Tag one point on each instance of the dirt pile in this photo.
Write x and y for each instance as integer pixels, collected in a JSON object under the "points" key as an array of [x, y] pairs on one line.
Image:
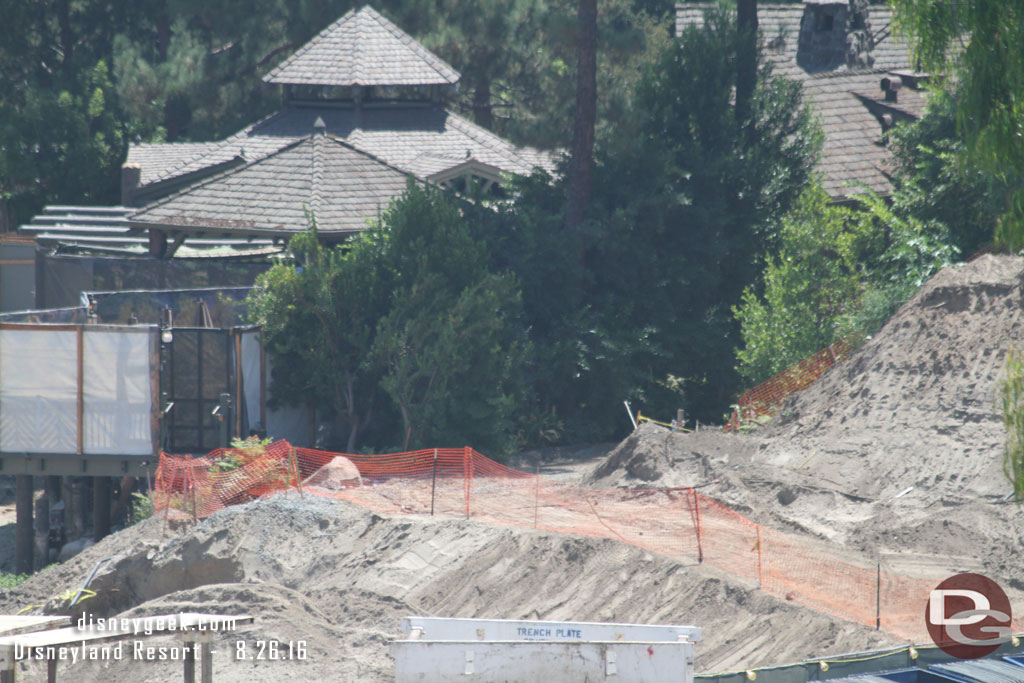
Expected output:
{"points": [[916, 405], [895, 453], [340, 578]]}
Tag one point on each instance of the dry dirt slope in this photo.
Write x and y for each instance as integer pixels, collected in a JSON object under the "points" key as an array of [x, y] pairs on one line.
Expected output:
{"points": [[913, 407], [341, 577]]}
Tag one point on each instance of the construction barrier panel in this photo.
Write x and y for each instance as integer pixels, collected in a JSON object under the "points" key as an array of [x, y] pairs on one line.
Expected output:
{"points": [[680, 523]]}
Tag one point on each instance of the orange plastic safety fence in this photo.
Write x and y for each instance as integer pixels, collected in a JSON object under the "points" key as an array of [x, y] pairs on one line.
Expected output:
{"points": [[680, 523], [766, 397]]}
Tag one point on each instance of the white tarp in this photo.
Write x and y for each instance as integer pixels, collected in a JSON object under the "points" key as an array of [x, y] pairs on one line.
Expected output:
{"points": [[251, 379], [38, 391], [116, 392]]}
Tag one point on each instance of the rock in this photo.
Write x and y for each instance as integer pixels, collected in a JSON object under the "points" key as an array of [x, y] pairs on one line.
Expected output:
{"points": [[69, 550], [339, 473]]}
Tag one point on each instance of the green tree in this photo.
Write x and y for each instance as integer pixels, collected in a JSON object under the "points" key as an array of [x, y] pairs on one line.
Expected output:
{"points": [[838, 271], [451, 343], [62, 136], [979, 44], [1012, 403], [693, 200], [808, 284], [937, 183], [408, 311], [319, 320], [683, 209]]}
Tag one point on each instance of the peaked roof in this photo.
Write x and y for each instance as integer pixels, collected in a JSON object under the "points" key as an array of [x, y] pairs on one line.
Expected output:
{"points": [[363, 48], [854, 152], [419, 140], [779, 25], [342, 185]]}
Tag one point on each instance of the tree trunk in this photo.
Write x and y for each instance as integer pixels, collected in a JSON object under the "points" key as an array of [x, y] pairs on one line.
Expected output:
{"points": [[746, 58], [581, 166]]}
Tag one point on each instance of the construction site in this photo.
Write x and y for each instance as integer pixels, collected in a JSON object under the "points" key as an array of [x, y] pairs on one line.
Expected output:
{"points": [[817, 533]]}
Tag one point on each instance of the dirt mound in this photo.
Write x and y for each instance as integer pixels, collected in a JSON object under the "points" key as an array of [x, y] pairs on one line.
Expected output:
{"points": [[894, 454], [916, 405], [340, 578]]}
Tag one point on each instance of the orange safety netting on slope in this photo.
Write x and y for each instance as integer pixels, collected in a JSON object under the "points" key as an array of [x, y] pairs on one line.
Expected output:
{"points": [[766, 397], [680, 523]]}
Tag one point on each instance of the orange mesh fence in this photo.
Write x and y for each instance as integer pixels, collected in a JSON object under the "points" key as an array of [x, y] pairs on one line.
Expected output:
{"points": [[680, 523], [766, 397]]}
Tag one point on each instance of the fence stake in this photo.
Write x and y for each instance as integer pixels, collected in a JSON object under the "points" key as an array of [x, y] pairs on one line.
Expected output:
{"points": [[700, 545], [433, 484], [631, 418], [536, 493], [191, 484], [760, 571], [878, 596], [467, 475], [298, 478]]}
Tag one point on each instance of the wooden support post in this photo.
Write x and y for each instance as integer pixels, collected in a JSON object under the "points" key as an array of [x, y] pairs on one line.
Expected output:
{"points": [[80, 397], [206, 657], [433, 484], [80, 505], [23, 531], [42, 532], [100, 507], [51, 671], [190, 663]]}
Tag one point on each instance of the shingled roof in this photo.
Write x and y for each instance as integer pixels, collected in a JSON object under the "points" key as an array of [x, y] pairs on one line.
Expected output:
{"points": [[270, 196], [401, 136], [848, 99], [363, 48]]}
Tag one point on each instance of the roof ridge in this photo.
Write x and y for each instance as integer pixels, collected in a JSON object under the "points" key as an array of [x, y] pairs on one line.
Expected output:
{"points": [[215, 146], [309, 44], [411, 42], [366, 62], [474, 131], [215, 177]]}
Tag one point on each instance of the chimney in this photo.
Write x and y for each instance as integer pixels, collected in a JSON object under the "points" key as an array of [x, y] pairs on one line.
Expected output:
{"points": [[131, 177], [891, 86]]}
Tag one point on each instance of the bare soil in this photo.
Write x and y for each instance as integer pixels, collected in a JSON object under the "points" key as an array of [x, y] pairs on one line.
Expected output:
{"points": [[894, 454]]}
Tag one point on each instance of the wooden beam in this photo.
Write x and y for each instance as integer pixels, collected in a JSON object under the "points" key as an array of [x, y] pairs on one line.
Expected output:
{"points": [[100, 507], [23, 529], [263, 385], [238, 381], [81, 391], [179, 239]]}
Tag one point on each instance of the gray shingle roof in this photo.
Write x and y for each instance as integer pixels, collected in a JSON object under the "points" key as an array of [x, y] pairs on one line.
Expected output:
{"points": [[270, 195], [853, 152], [415, 139], [155, 157], [363, 48], [779, 25]]}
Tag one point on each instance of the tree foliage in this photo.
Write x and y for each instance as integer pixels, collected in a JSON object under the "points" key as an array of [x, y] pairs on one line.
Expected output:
{"points": [[808, 284], [62, 136], [1012, 404], [980, 44], [838, 271], [407, 311], [684, 202], [938, 183]]}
